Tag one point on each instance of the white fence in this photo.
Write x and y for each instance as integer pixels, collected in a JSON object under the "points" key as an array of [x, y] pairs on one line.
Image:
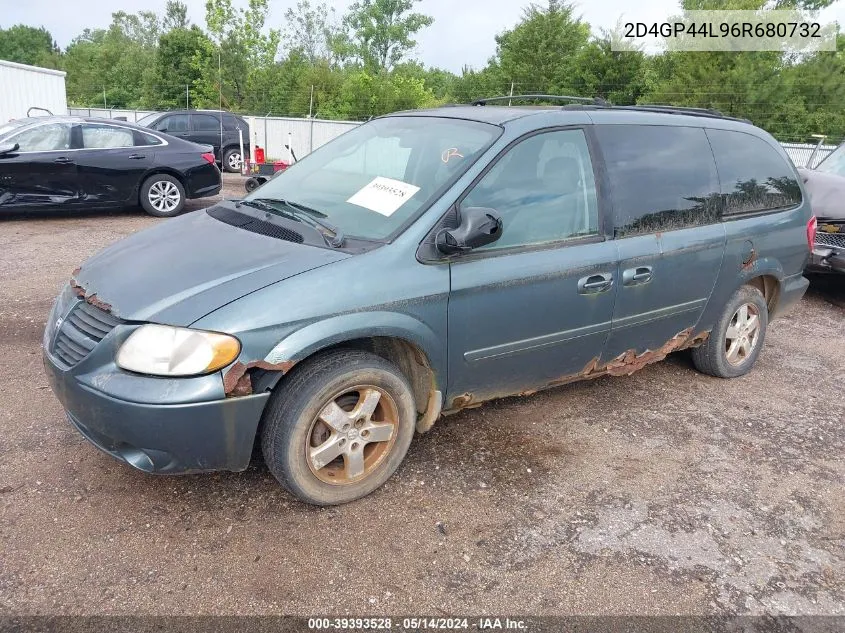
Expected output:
{"points": [[22, 86], [271, 133], [800, 153]]}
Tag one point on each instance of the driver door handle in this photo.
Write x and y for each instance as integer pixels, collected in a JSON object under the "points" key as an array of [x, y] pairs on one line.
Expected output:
{"points": [[137, 156], [63, 160]]}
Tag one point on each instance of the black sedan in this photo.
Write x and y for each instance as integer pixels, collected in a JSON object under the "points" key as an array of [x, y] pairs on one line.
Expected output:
{"points": [[81, 163]]}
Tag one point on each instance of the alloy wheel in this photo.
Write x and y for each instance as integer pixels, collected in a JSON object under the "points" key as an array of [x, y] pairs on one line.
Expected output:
{"points": [[164, 196], [352, 435], [743, 334]]}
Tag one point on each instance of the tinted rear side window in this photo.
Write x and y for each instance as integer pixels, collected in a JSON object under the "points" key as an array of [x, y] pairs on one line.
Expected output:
{"points": [[661, 178], [754, 176]]}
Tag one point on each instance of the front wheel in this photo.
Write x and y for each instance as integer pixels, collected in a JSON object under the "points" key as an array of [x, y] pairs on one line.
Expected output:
{"points": [[162, 195], [737, 338], [338, 426]]}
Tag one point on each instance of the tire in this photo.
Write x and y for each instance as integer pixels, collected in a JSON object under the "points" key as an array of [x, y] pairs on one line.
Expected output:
{"points": [[252, 184], [162, 195], [714, 357], [315, 426], [232, 160]]}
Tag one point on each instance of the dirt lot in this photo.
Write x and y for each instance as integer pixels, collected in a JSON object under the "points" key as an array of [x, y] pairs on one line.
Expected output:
{"points": [[665, 492]]}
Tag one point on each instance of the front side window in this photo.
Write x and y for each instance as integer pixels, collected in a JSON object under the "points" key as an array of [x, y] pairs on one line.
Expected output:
{"points": [[662, 178], [754, 176], [106, 137], [371, 180], [174, 123], [50, 137], [543, 188], [206, 123], [834, 162]]}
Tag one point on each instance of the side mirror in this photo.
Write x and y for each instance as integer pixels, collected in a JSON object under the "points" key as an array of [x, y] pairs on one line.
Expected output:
{"points": [[479, 226], [9, 148]]}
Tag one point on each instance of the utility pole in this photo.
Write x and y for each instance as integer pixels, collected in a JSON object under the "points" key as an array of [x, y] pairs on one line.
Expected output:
{"points": [[511, 94], [187, 98], [105, 107]]}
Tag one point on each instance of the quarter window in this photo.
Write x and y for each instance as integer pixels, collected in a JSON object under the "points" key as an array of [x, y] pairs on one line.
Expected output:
{"points": [[49, 137], [106, 137], [662, 178], [754, 176], [543, 188], [174, 123]]}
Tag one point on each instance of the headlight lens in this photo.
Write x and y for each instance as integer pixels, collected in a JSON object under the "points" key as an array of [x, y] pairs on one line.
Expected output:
{"points": [[162, 350]]}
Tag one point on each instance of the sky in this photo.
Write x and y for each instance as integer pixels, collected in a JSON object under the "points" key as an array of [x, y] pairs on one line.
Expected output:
{"points": [[462, 34]]}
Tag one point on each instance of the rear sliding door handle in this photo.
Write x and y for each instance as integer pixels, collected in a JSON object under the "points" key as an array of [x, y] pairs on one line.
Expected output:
{"points": [[637, 276], [595, 283], [137, 156], [63, 160]]}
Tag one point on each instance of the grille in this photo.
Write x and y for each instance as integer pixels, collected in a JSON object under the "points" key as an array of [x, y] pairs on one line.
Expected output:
{"points": [[80, 332], [249, 223], [835, 240]]}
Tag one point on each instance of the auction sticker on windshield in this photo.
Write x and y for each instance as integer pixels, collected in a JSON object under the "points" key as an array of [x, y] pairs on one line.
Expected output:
{"points": [[383, 195]]}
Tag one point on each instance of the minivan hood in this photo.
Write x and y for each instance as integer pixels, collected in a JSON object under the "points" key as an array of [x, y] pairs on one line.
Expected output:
{"points": [[183, 268], [827, 193]]}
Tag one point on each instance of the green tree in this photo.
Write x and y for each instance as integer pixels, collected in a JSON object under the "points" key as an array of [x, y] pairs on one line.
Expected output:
{"points": [[111, 67], [617, 76], [237, 52], [175, 16], [314, 30], [539, 54], [28, 45], [181, 55], [382, 31]]}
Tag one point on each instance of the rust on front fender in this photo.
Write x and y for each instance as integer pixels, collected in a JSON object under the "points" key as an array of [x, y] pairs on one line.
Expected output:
{"points": [[237, 381]]}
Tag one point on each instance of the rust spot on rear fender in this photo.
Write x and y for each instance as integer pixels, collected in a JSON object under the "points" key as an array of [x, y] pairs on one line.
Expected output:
{"points": [[237, 382]]}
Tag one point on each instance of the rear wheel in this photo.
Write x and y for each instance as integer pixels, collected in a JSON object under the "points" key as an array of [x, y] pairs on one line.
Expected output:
{"points": [[338, 426], [232, 160], [737, 338], [162, 195]]}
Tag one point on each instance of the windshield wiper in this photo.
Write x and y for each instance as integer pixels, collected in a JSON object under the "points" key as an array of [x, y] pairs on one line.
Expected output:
{"points": [[331, 234]]}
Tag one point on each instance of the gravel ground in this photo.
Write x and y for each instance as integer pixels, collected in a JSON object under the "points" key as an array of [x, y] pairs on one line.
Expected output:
{"points": [[660, 493]]}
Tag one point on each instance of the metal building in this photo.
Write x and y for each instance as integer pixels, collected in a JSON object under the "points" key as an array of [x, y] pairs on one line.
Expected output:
{"points": [[23, 87]]}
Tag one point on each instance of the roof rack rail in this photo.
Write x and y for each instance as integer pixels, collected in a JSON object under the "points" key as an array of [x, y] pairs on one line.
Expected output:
{"points": [[669, 109], [598, 101]]}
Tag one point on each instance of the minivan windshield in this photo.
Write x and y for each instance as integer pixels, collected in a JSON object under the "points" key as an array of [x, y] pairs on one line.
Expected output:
{"points": [[146, 120], [834, 162], [371, 180]]}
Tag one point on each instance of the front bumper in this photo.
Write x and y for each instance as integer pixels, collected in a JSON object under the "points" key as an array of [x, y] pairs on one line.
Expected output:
{"points": [[158, 425]]}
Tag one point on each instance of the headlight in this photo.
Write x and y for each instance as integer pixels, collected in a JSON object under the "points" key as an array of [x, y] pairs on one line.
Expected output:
{"points": [[162, 350]]}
